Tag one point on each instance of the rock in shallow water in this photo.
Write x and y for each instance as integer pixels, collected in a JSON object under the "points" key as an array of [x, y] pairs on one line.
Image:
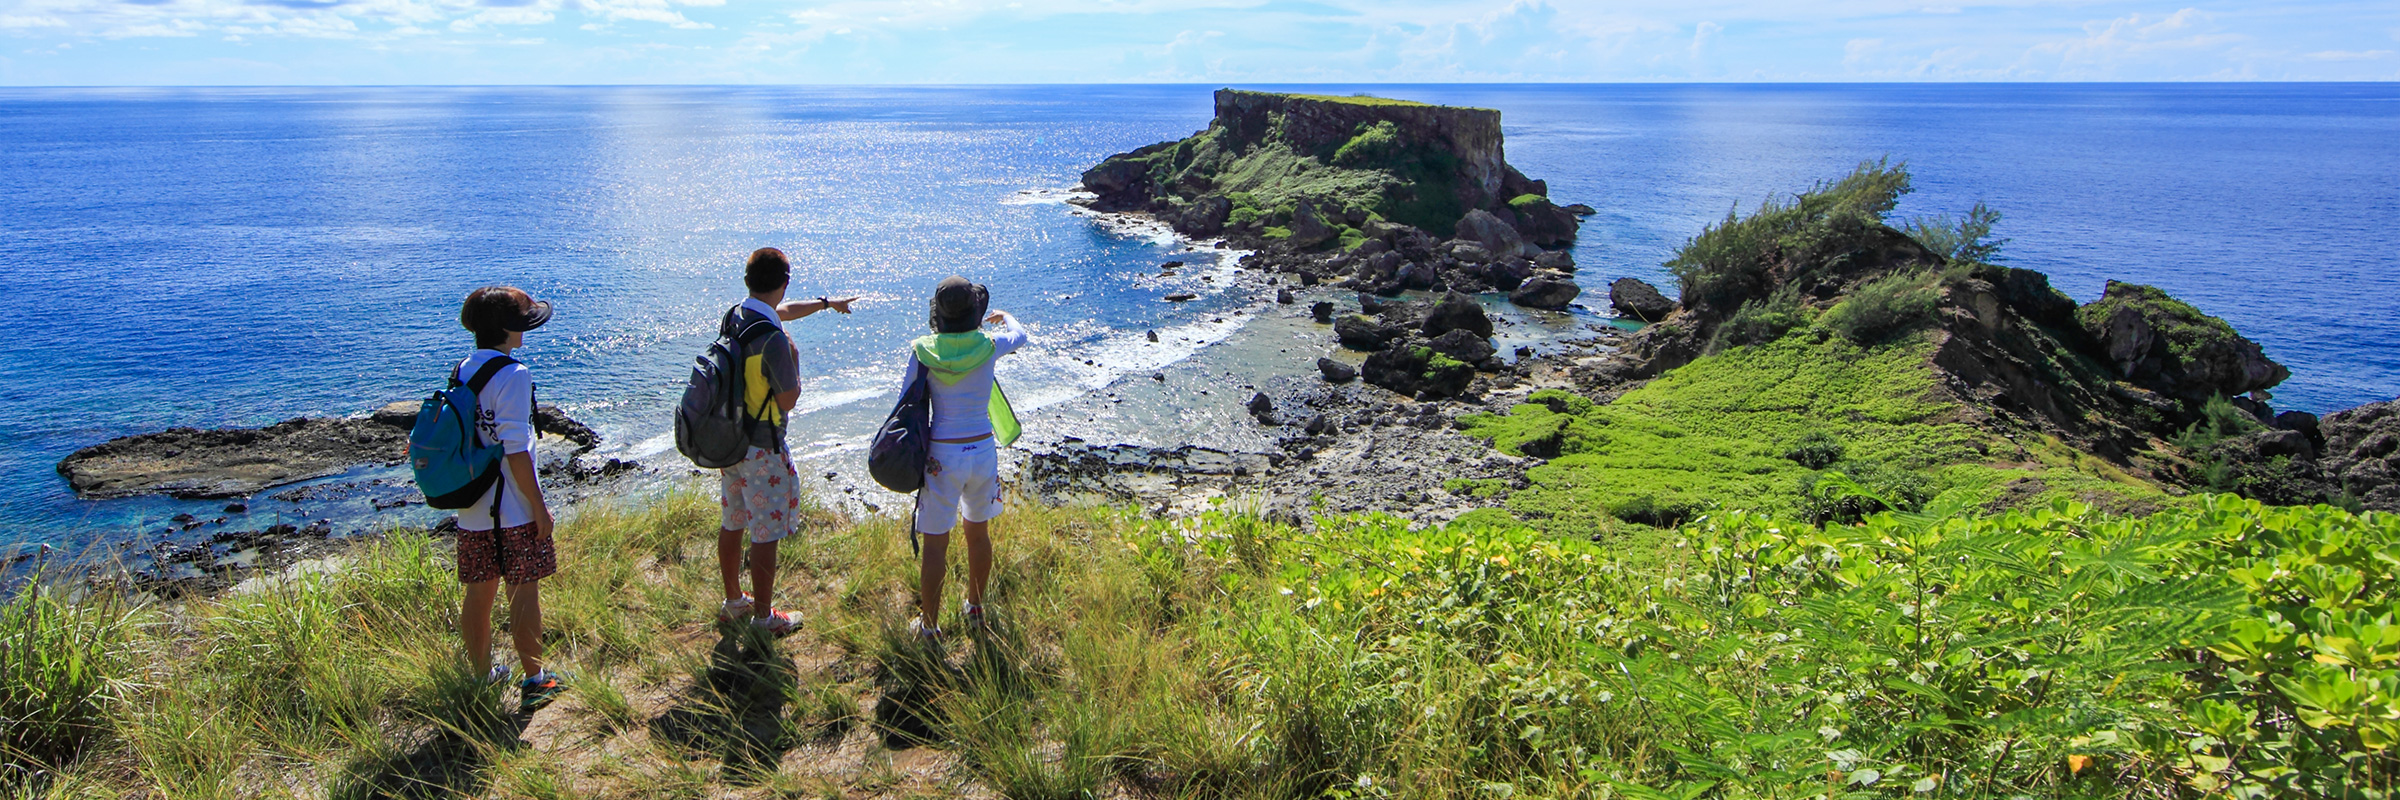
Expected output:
{"points": [[1636, 299], [1545, 293], [1457, 312], [1335, 371]]}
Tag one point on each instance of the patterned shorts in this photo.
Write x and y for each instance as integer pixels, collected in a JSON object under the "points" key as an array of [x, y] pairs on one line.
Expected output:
{"points": [[520, 554], [761, 495]]}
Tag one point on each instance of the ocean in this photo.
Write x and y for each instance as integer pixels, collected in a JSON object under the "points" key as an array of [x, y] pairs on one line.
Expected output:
{"points": [[221, 257]]}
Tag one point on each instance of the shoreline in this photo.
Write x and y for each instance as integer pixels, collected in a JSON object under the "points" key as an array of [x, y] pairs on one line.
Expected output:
{"points": [[1374, 450]]}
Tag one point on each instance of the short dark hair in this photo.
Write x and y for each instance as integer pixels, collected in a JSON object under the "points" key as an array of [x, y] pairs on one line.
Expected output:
{"points": [[767, 270], [487, 312]]}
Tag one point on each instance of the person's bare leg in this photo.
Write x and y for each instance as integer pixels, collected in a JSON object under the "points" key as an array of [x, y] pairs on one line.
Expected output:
{"points": [[475, 625], [979, 559], [931, 568], [762, 579], [525, 624], [729, 561]]}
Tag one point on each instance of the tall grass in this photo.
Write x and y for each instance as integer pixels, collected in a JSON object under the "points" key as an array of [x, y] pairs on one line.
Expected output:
{"points": [[61, 676], [2061, 653]]}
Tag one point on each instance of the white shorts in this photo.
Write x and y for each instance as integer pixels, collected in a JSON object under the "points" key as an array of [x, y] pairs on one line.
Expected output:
{"points": [[959, 478]]}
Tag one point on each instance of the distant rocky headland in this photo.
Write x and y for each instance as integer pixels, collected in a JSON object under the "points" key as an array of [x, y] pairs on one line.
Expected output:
{"points": [[1995, 388]]}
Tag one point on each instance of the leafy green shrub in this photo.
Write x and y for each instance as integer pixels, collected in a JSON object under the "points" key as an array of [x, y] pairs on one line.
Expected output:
{"points": [[1886, 306], [1967, 239], [1653, 510], [1276, 232], [1730, 262], [2219, 420], [1817, 450], [60, 671], [1349, 238], [1372, 144], [1853, 489], [1760, 321]]}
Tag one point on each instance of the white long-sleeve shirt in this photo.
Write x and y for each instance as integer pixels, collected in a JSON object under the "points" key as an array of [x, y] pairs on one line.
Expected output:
{"points": [[503, 415]]}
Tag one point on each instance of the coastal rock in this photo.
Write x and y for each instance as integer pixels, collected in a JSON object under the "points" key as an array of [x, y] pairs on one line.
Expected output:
{"points": [[192, 463], [1122, 174], [1386, 232], [1467, 252], [2302, 421], [1458, 312], [1284, 297], [1543, 223], [2169, 347], [1361, 332], [1309, 228], [1178, 297], [1507, 275], [1581, 210], [550, 419], [1497, 237], [1416, 370], [1545, 293], [1335, 371], [399, 414], [1464, 345], [1205, 216], [2362, 452], [1261, 408], [1636, 299], [1556, 261], [1321, 310]]}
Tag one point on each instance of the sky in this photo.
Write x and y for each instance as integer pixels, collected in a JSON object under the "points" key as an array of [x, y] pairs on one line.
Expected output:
{"points": [[434, 42]]}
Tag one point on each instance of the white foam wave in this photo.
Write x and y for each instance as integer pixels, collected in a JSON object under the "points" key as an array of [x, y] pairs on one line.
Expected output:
{"points": [[1041, 197]]}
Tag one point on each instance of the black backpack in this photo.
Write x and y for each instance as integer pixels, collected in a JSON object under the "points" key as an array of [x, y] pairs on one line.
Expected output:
{"points": [[713, 426], [896, 458]]}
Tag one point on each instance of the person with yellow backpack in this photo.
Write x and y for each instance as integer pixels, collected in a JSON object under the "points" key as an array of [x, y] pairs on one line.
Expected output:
{"points": [[970, 422]]}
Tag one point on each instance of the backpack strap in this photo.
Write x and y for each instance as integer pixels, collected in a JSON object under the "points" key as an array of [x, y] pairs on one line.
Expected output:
{"points": [[744, 335], [483, 374]]}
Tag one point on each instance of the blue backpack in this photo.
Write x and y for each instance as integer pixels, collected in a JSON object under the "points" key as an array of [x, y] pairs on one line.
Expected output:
{"points": [[453, 466]]}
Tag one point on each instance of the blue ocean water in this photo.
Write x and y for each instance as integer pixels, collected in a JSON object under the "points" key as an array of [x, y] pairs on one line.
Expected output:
{"points": [[239, 256]]}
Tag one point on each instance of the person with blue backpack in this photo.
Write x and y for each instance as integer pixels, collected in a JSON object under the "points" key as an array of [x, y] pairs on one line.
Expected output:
{"points": [[504, 531], [970, 420]]}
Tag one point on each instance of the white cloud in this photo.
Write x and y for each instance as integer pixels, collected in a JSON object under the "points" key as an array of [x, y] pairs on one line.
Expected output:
{"points": [[1702, 34], [14, 22], [2347, 55], [1856, 53]]}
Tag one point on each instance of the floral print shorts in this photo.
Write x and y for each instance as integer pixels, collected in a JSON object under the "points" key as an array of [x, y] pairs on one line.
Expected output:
{"points": [[761, 495]]}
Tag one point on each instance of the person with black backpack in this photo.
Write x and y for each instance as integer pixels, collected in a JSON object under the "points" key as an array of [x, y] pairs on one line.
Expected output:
{"points": [[969, 420], [505, 532], [760, 494]]}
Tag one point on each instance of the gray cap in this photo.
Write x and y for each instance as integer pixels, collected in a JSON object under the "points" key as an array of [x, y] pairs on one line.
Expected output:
{"points": [[956, 298]]}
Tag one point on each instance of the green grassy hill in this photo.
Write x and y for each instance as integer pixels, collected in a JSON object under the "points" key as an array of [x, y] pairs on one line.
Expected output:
{"points": [[2222, 647]]}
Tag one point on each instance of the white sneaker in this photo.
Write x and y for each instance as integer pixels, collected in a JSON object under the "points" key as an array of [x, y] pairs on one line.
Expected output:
{"points": [[736, 609], [498, 675], [971, 615], [924, 633]]}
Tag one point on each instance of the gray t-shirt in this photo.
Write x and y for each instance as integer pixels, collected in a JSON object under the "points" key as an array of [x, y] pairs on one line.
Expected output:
{"points": [[770, 366]]}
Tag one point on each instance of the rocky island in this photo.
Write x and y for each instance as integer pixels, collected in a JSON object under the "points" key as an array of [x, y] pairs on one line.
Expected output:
{"points": [[1813, 339]]}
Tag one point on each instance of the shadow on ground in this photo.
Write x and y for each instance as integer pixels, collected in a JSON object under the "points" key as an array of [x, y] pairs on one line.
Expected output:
{"points": [[735, 709], [446, 763], [918, 679]]}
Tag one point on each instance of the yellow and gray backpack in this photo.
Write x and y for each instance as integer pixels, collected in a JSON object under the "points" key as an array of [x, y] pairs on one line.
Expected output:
{"points": [[713, 427]]}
